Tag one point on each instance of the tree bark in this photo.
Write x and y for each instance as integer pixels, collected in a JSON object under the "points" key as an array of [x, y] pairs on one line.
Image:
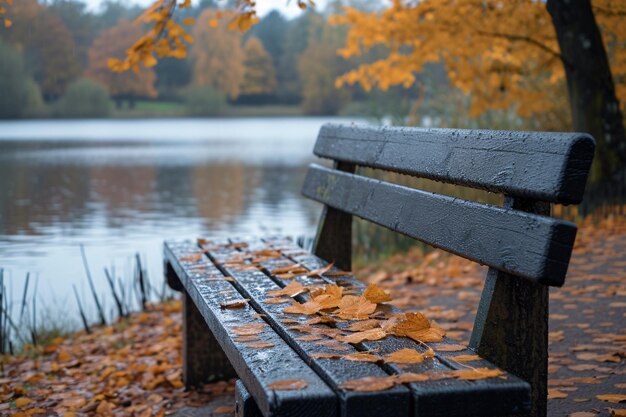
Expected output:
{"points": [[594, 105]]}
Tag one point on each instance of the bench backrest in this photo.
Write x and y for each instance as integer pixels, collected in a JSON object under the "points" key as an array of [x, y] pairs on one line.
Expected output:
{"points": [[524, 166], [531, 169]]}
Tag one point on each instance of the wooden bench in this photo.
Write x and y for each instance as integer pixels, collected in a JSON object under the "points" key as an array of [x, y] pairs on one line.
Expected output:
{"points": [[226, 281]]}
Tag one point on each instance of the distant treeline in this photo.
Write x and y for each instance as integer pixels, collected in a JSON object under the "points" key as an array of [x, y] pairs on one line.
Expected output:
{"points": [[53, 63]]}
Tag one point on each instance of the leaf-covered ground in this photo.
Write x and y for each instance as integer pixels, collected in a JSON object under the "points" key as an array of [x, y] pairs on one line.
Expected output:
{"points": [[134, 367]]}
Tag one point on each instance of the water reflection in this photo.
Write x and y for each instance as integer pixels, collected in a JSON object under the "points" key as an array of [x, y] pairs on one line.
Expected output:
{"points": [[124, 186]]}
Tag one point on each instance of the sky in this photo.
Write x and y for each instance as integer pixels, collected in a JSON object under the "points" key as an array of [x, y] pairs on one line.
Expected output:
{"points": [[287, 8]]}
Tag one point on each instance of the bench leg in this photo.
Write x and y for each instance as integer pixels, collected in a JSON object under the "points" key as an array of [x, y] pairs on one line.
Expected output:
{"points": [[511, 327], [171, 278], [203, 358], [244, 403]]}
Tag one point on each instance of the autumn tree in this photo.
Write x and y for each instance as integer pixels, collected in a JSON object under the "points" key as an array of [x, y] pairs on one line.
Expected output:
{"points": [[318, 67], [503, 55], [48, 47], [217, 55], [127, 85], [259, 76], [19, 95], [80, 23]]}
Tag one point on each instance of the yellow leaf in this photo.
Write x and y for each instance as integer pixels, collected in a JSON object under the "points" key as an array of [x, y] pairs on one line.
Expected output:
{"points": [[372, 334], [214, 23], [22, 402], [189, 21], [355, 308], [369, 384], [612, 398], [288, 385], [405, 356], [376, 295], [7, 23], [149, 61]]}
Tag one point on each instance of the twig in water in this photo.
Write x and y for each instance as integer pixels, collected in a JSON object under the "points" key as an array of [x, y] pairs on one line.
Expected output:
{"points": [[2, 320], [118, 302], [33, 329], [93, 289], [81, 311], [24, 296], [142, 285]]}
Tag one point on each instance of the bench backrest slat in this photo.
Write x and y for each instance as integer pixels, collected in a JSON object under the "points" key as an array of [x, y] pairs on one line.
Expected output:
{"points": [[545, 166], [523, 244]]}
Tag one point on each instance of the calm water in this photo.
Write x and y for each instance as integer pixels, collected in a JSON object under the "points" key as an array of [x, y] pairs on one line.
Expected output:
{"points": [[120, 187]]}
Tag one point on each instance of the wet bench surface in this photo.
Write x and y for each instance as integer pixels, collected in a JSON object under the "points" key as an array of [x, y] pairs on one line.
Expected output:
{"points": [[293, 358]]}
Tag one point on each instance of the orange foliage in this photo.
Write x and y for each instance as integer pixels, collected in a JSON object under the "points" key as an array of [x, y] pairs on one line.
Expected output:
{"points": [[502, 53], [113, 42], [134, 366], [6, 22], [259, 77], [218, 59], [54, 65]]}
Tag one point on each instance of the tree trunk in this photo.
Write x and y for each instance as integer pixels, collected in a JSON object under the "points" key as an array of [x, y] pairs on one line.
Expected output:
{"points": [[594, 105]]}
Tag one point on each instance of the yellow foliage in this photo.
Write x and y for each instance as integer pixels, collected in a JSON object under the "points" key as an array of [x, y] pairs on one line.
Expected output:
{"points": [[218, 59], [502, 53], [113, 42], [259, 77], [3, 19]]}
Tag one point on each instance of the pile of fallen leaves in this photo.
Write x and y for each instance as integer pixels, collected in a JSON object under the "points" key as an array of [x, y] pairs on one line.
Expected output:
{"points": [[132, 368], [345, 317]]}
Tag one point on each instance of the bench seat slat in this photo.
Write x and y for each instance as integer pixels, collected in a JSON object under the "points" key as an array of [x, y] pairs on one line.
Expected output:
{"points": [[255, 285], [523, 244], [546, 166], [256, 367], [493, 396]]}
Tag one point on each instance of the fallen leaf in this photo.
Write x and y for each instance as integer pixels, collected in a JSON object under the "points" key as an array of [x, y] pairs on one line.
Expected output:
{"points": [[291, 290], [308, 308], [369, 384], [234, 304], [355, 308], [612, 398], [372, 334], [465, 358], [224, 409], [191, 258], [405, 356], [323, 355], [476, 373], [260, 345], [277, 300], [554, 394], [249, 329], [417, 327], [360, 326], [321, 271], [246, 339], [310, 337], [408, 377], [22, 402], [376, 295], [329, 297], [288, 385], [449, 348], [362, 357]]}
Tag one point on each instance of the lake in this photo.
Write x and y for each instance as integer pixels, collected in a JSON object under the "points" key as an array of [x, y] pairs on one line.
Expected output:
{"points": [[123, 186]]}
